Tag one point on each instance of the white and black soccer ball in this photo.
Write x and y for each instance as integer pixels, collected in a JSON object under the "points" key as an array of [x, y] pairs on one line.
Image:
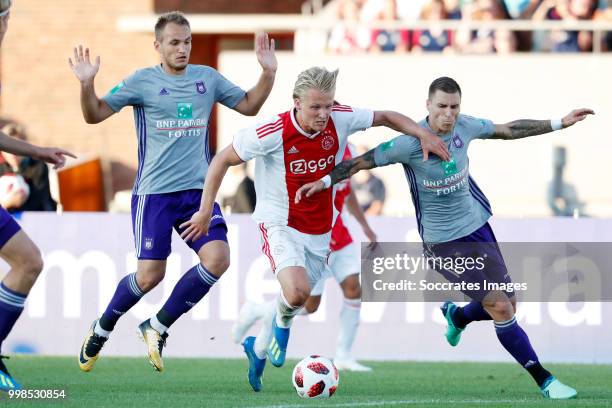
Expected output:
{"points": [[315, 377], [12, 184]]}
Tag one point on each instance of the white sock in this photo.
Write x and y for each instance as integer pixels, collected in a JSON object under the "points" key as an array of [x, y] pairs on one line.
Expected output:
{"points": [[262, 341], [261, 309], [349, 322], [100, 331], [285, 312], [157, 325]]}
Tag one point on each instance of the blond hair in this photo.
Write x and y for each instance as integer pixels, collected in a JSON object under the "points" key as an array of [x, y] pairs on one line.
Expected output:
{"points": [[315, 78]]}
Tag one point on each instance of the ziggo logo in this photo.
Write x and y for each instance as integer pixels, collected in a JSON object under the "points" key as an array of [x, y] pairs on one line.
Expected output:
{"points": [[302, 166]]}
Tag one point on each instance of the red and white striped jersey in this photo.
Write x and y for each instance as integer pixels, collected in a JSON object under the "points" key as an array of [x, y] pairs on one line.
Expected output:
{"points": [[287, 157], [341, 236]]}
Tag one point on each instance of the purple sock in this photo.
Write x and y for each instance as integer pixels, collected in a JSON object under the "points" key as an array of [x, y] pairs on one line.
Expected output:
{"points": [[127, 294], [472, 312], [189, 290], [11, 306], [515, 341]]}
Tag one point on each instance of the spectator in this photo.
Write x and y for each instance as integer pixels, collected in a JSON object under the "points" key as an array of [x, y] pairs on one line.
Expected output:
{"points": [[521, 9], [35, 173], [435, 38], [604, 13], [347, 36], [568, 41], [453, 9], [482, 40], [389, 40]]}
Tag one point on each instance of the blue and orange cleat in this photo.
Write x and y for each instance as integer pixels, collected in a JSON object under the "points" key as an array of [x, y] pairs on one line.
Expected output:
{"points": [[277, 350], [453, 334], [7, 382], [256, 364]]}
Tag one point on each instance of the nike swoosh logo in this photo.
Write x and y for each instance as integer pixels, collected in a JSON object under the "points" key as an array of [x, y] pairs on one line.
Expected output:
{"points": [[82, 357]]}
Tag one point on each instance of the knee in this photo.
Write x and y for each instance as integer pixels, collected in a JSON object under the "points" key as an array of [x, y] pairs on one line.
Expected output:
{"points": [[352, 290], [217, 264], [297, 296], [500, 310], [149, 279], [32, 264]]}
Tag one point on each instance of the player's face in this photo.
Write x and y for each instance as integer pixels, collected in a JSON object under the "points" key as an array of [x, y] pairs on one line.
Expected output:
{"points": [[174, 47], [443, 109], [314, 110]]}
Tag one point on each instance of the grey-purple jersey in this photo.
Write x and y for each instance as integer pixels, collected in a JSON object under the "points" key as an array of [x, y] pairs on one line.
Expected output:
{"points": [[448, 202], [172, 115]]}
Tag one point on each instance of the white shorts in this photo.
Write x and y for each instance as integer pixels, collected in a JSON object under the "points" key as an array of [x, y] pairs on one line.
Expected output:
{"points": [[285, 246], [342, 263]]}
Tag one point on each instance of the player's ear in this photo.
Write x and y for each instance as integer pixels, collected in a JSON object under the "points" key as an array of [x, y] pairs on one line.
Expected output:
{"points": [[157, 45], [297, 103]]}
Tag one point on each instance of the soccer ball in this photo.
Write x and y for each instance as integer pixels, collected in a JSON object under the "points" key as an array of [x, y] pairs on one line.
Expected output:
{"points": [[315, 377], [11, 184]]}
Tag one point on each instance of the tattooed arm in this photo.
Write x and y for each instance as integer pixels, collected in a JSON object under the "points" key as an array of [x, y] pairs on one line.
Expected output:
{"points": [[519, 129], [340, 172]]}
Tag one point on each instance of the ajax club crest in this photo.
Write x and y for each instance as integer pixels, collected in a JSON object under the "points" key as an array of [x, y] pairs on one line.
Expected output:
{"points": [[328, 142]]}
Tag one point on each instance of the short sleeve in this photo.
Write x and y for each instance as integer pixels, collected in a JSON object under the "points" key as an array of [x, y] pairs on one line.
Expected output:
{"points": [[247, 144], [226, 92], [351, 120], [402, 149], [126, 92], [477, 128]]}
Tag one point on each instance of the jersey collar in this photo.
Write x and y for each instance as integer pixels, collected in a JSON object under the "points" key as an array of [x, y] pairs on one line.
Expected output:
{"points": [[299, 129]]}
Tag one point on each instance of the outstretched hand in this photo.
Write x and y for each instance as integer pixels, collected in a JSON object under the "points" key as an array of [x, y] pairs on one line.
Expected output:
{"points": [[82, 67], [54, 155], [576, 116], [197, 226], [431, 143], [264, 49], [308, 190]]}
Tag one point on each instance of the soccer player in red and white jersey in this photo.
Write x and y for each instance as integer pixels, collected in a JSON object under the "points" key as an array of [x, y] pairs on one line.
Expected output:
{"points": [[344, 265], [293, 148]]}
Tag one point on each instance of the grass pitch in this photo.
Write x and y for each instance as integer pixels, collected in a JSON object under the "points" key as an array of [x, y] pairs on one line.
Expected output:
{"points": [[131, 382]]}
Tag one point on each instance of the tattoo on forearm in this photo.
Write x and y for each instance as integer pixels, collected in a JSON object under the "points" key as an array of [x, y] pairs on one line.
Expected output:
{"points": [[526, 127], [347, 168]]}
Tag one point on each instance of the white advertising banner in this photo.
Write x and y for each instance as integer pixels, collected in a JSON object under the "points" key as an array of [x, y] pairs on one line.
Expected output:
{"points": [[86, 254]]}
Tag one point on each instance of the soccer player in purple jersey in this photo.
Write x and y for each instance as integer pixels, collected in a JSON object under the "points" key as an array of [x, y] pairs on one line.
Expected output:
{"points": [[172, 104], [453, 212], [16, 248]]}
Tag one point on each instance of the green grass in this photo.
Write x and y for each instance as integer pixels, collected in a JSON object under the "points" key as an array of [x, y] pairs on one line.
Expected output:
{"points": [[131, 382]]}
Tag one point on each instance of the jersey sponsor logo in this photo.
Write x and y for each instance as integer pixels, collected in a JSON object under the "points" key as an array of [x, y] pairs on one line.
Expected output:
{"points": [[200, 87], [386, 146], [164, 92], [449, 167], [328, 142], [117, 87], [302, 166], [293, 150], [148, 243], [458, 142], [184, 110]]}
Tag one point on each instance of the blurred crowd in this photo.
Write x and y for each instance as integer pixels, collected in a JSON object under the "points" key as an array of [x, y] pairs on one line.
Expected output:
{"points": [[353, 32]]}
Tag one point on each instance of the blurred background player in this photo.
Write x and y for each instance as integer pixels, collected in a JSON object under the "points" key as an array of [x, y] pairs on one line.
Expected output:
{"points": [[344, 265], [292, 148], [16, 248], [451, 209], [172, 104]]}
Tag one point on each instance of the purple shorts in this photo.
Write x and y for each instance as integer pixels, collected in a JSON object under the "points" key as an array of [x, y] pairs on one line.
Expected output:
{"points": [[8, 227], [155, 215], [480, 244]]}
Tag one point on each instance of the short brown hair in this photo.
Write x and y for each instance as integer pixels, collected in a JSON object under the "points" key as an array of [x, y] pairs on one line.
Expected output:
{"points": [[444, 84], [175, 17]]}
